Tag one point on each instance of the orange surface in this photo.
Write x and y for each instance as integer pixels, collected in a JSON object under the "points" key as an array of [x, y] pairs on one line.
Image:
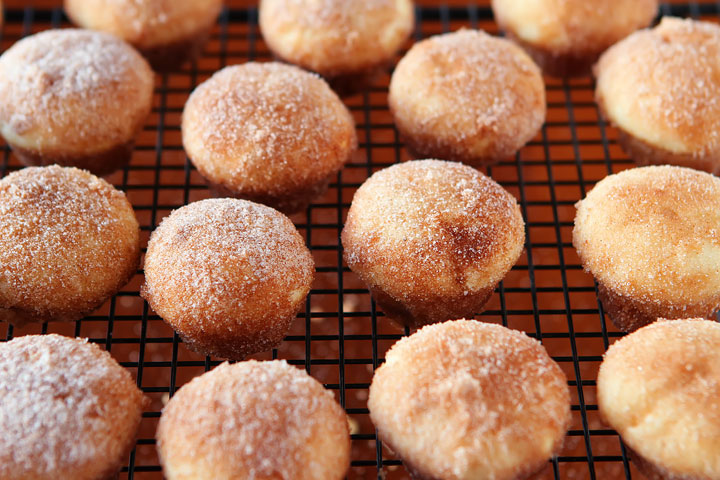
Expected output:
{"points": [[547, 294]]}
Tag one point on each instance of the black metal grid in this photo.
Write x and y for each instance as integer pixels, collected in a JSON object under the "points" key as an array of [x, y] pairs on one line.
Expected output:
{"points": [[341, 337]]}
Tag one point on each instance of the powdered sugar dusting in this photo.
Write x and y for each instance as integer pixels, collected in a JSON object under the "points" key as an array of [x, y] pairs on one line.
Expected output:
{"points": [[463, 399], [68, 240], [45, 78], [68, 409], [429, 227], [255, 420], [267, 125]]}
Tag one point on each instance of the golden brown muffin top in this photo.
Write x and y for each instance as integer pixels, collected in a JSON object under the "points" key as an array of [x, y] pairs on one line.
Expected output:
{"points": [[266, 127], [145, 23], [659, 388], [469, 88], [661, 86], [653, 233], [227, 265], [67, 238], [73, 91], [465, 400], [254, 420], [573, 25], [430, 227], [68, 409], [334, 37]]}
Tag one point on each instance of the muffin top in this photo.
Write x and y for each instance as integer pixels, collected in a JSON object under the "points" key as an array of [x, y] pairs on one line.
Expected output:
{"points": [[73, 91], [467, 400], [145, 23], [470, 93], [335, 37], [430, 227], [573, 25], [223, 269], [659, 388], [67, 240], [653, 233], [254, 420], [69, 410], [661, 85], [266, 127]]}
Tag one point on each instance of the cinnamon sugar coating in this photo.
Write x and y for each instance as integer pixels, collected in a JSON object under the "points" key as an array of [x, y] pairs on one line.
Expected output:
{"points": [[566, 37], [467, 96], [68, 242], [336, 37], [228, 275], [651, 238], [269, 133], [68, 410], [153, 27], [659, 87], [468, 400], [66, 95], [256, 421], [659, 388], [432, 239]]}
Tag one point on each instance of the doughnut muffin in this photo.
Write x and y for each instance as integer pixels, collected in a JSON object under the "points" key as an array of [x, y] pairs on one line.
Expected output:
{"points": [[345, 41], [75, 98], [68, 410], [659, 88], [432, 239], [255, 420], [268, 132], [166, 32], [68, 242], [659, 388], [651, 238], [499, 89], [228, 275], [566, 37], [465, 400]]}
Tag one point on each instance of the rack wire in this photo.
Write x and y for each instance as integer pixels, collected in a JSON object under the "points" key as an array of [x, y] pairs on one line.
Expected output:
{"points": [[340, 337]]}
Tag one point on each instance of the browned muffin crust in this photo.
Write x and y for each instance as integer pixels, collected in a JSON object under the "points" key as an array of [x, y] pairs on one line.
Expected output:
{"points": [[69, 410], [68, 242], [228, 275], [432, 239], [254, 420], [467, 96], [75, 98], [268, 132]]}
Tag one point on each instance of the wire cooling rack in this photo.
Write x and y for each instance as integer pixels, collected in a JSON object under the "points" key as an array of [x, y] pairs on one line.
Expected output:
{"points": [[340, 337]]}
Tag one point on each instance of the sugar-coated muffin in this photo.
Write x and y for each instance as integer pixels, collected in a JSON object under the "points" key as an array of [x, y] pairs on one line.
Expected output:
{"points": [[432, 239], [68, 242], [345, 41], [68, 410], [566, 38], [465, 400], [75, 98], [167, 32], [467, 96], [651, 238], [254, 420], [660, 88], [228, 275], [659, 388], [268, 132]]}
